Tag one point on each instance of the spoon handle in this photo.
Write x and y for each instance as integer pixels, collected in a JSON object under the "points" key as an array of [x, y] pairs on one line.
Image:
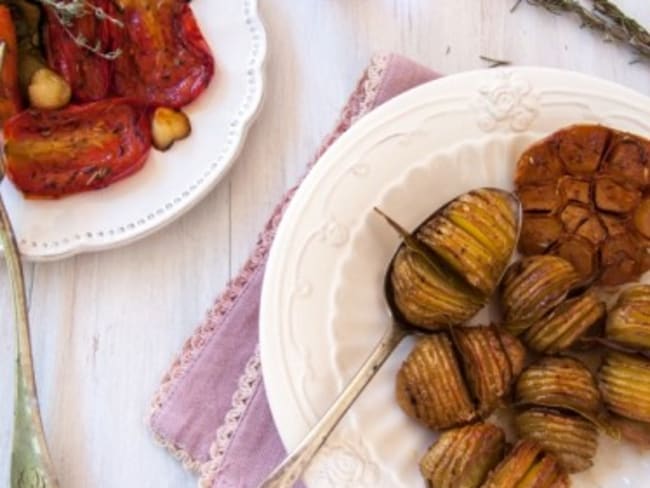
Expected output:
{"points": [[31, 466], [287, 473]]}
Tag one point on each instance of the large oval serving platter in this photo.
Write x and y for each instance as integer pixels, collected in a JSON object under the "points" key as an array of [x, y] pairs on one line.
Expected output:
{"points": [[322, 305], [171, 182]]}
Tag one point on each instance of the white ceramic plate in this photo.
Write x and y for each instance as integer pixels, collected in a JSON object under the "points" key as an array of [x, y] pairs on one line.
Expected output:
{"points": [[322, 303], [173, 181]]}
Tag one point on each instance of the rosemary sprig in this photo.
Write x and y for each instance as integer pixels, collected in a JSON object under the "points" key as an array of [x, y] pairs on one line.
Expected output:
{"points": [[606, 18], [618, 17], [67, 11], [494, 63]]}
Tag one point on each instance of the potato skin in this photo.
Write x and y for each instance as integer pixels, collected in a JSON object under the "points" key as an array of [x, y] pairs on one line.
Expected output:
{"points": [[430, 387], [463, 456]]}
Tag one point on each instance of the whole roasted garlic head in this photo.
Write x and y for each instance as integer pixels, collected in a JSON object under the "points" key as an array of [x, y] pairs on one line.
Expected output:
{"points": [[585, 192]]}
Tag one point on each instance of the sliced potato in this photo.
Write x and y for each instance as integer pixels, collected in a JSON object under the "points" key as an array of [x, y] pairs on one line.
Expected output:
{"points": [[169, 125]]}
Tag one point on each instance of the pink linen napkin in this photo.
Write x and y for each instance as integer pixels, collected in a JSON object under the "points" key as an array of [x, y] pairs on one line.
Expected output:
{"points": [[211, 409]]}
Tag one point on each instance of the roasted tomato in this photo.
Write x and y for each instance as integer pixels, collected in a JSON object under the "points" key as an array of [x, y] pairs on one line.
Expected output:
{"points": [[84, 147], [164, 59], [88, 74], [9, 91]]}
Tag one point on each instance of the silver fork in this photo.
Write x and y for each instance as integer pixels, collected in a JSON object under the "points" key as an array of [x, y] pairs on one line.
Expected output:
{"points": [[31, 464]]}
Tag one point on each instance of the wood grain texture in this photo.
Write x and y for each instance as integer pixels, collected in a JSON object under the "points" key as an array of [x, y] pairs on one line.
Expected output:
{"points": [[106, 326]]}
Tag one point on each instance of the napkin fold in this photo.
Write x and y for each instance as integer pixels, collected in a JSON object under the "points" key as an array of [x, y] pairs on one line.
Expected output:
{"points": [[211, 410]]}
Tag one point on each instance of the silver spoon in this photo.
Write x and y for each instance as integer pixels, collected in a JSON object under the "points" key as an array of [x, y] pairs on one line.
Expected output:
{"points": [[287, 473], [31, 465]]}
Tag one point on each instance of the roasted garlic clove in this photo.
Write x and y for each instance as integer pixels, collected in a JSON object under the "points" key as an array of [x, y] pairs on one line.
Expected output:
{"points": [[169, 125], [425, 296], [475, 235], [527, 465], [560, 382], [430, 387], [532, 287], [565, 324], [571, 438], [463, 456], [492, 360], [624, 381], [628, 323]]}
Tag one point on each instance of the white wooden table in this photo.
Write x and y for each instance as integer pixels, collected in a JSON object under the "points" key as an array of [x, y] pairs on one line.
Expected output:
{"points": [[106, 326]]}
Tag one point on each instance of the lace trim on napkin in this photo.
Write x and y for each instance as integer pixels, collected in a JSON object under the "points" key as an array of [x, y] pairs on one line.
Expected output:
{"points": [[247, 385], [359, 103], [196, 343]]}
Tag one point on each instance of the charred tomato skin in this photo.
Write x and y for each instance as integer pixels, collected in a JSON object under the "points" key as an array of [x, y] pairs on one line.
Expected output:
{"points": [[88, 74], [50, 154], [10, 101], [164, 61]]}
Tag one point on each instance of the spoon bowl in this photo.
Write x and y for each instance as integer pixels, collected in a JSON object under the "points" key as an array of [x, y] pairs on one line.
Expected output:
{"points": [[288, 472]]}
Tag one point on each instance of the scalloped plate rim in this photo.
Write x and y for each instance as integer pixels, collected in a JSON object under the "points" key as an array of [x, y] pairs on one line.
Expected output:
{"points": [[230, 151]]}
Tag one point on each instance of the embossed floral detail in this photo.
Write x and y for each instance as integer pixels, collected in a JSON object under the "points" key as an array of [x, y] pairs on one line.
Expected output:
{"points": [[343, 463], [506, 100], [334, 233], [303, 289], [360, 169]]}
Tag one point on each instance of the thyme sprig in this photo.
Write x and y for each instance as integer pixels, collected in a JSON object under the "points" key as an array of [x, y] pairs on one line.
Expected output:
{"points": [[67, 11], [605, 17]]}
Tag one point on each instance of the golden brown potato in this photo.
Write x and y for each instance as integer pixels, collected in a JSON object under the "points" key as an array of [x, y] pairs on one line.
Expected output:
{"points": [[559, 382], [492, 360], [463, 456], [430, 387], [628, 323], [533, 287], [528, 466], [572, 439], [624, 381]]}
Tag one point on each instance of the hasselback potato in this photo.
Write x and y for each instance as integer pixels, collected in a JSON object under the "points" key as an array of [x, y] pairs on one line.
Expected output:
{"points": [[533, 298], [628, 323], [624, 381], [475, 234], [528, 466], [561, 382], [492, 360], [571, 438], [430, 387], [532, 287], [463, 456], [559, 402], [446, 270], [448, 381]]}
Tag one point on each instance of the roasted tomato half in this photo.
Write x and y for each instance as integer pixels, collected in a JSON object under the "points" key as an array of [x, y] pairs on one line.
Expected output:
{"points": [[9, 91], [84, 147], [164, 59], [88, 74]]}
